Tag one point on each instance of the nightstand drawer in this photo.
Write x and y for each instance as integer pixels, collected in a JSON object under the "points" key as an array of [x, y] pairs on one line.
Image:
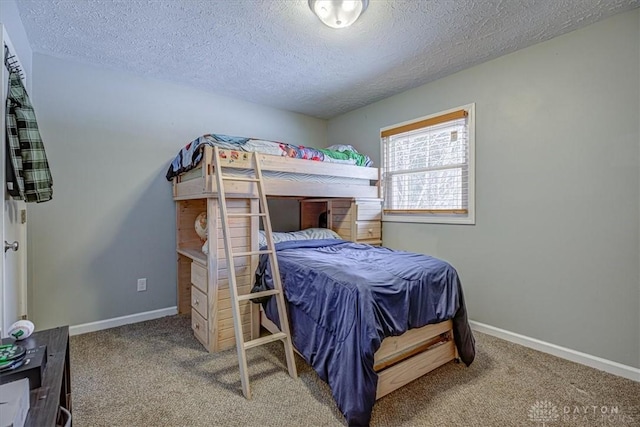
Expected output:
{"points": [[199, 326], [369, 230], [199, 276], [199, 302]]}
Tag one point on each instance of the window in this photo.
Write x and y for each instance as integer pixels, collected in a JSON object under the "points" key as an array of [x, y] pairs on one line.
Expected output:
{"points": [[428, 168]]}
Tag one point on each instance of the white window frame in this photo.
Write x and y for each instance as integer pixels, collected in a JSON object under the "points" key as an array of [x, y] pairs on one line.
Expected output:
{"points": [[441, 218]]}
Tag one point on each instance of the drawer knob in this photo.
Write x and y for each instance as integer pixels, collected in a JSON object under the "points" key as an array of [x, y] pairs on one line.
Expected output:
{"points": [[371, 231], [196, 302], [196, 326]]}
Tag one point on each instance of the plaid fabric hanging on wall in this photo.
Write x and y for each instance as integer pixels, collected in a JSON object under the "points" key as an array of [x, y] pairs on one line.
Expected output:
{"points": [[28, 174]]}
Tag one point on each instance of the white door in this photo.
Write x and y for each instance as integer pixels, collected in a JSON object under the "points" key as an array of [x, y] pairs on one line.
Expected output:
{"points": [[13, 231]]}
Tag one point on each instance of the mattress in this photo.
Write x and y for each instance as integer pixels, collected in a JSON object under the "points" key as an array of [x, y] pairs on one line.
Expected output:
{"points": [[285, 176]]}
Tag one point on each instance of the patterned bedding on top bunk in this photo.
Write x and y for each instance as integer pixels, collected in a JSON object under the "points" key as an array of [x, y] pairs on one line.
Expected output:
{"points": [[189, 156]]}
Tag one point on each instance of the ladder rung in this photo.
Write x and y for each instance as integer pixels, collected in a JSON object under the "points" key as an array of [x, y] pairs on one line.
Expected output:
{"points": [[268, 251], [260, 294], [240, 215], [265, 340], [239, 178]]}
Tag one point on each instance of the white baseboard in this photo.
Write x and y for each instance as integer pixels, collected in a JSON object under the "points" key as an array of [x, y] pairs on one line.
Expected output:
{"points": [[609, 366], [119, 321]]}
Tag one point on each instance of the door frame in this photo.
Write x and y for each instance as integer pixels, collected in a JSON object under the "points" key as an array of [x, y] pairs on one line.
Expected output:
{"points": [[16, 209]]}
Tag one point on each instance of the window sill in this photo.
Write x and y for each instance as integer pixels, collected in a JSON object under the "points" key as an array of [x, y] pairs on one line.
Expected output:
{"points": [[431, 219]]}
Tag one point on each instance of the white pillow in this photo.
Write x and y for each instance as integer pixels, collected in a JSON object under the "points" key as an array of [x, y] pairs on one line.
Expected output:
{"points": [[307, 234]]}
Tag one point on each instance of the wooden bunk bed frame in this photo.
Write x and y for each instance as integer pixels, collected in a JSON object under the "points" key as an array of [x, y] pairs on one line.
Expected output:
{"points": [[202, 284], [204, 183]]}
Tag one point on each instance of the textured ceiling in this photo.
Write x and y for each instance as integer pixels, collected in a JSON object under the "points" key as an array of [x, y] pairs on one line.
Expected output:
{"points": [[277, 53]]}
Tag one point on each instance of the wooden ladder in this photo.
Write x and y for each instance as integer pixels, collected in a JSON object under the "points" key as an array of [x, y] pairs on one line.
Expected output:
{"points": [[250, 161]]}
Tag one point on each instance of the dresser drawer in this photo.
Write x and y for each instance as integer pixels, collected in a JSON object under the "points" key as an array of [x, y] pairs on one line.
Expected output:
{"points": [[199, 276], [199, 302], [369, 211], [369, 230], [199, 326]]}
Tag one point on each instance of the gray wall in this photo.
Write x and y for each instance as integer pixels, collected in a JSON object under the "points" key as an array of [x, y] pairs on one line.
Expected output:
{"points": [[554, 254], [109, 137]]}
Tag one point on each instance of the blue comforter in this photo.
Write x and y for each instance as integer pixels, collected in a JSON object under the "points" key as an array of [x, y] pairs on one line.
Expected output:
{"points": [[344, 298]]}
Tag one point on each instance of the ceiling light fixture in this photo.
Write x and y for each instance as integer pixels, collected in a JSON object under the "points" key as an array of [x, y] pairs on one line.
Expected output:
{"points": [[338, 13]]}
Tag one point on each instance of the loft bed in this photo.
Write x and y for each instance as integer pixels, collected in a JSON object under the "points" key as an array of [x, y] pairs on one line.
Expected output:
{"points": [[283, 177], [202, 275]]}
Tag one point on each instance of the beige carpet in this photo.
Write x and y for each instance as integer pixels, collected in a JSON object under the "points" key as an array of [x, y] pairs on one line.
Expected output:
{"points": [[156, 374]]}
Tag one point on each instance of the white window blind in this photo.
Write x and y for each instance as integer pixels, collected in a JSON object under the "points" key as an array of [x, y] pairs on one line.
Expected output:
{"points": [[427, 166]]}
